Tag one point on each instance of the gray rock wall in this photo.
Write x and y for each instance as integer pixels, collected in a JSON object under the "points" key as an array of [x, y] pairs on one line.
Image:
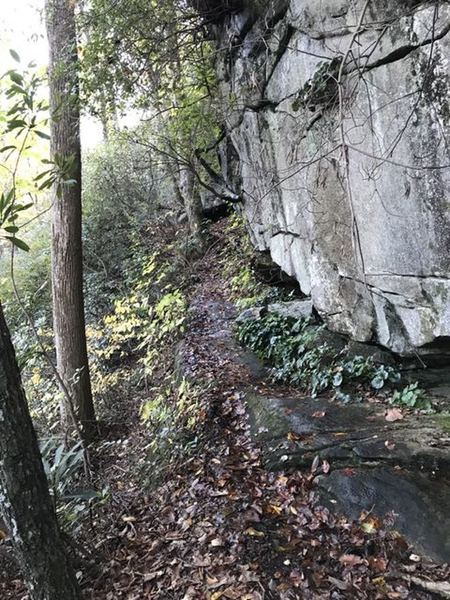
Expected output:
{"points": [[344, 168]]}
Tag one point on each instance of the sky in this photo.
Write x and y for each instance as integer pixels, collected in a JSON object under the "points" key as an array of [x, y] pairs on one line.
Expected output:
{"points": [[22, 29]]}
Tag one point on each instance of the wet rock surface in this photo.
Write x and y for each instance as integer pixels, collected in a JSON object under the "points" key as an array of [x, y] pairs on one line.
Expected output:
{"points": [[399, 468], [418, 504]]}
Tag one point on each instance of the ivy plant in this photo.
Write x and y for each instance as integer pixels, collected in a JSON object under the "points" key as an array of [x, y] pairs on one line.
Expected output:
{"points": [[292, 348]]}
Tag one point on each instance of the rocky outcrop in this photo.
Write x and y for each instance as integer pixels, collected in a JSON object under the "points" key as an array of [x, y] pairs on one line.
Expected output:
{"points": [[338, 112], [296, 309]]}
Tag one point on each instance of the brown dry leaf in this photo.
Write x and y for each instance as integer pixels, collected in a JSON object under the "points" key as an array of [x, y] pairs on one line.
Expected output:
{"points": [[293, 437], [350, 560], [341, 585], [378, 564], [315, 464], [233, 593], [129, 519], [254, 532], [151, 576], [319, 414], [216, 542], [349, 471], [274, 509], [393, 414]]}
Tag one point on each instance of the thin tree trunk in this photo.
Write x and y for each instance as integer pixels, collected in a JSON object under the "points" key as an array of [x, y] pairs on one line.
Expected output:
{"points": [[192, 202], [24, 498], [67, 276]]}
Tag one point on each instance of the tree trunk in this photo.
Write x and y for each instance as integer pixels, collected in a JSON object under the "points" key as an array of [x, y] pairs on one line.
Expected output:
{"points": [[67, 275], [25, 501], [192, 202]]}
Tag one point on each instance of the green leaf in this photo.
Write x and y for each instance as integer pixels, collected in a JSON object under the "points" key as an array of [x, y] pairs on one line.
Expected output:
{"points": [[6, 148], [17, 78], [15, 56], [42, 135], [15, 123], [19, 243], [377, 382], [47, 183], [43, 174], [11, 229], [20, 207]]}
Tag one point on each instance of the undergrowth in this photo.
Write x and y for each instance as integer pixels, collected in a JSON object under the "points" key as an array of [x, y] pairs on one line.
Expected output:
{"points": [[174, 414], [292, 348]]}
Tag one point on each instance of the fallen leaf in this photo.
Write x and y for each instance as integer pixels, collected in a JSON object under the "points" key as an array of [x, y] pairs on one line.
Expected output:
{"points": [[378, 564], [393, 414], [349, 471], [274, 509], [371, 524], [319, 414], [350, 560], [254, 532], [341, 585], [315, 464]]}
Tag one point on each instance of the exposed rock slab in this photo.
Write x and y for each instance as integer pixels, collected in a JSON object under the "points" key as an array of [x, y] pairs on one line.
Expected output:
{"points": [[297, 309], [420, 506], [401, 466]]}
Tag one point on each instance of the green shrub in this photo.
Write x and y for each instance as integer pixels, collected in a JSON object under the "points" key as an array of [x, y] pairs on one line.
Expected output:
{"points": [[174, 414], [412, 396], [120, 201], [64, 466], [291, 346]]}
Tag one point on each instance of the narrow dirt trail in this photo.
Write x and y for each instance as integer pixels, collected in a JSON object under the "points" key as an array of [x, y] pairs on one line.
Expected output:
{"points": [[224, 527]]}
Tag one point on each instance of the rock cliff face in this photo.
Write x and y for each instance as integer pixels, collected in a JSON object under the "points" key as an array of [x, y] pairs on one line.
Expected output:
{"points": [[338, 112]]}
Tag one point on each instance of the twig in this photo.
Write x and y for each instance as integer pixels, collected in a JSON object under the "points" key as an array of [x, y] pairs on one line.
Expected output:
{"points": [[441, 588]]}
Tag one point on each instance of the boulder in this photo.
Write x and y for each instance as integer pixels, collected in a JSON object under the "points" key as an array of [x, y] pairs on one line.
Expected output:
{"points": [[297, 309]]}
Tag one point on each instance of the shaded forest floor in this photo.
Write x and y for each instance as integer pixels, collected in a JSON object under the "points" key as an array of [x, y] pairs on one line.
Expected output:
{"points": [[220, 525]]}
